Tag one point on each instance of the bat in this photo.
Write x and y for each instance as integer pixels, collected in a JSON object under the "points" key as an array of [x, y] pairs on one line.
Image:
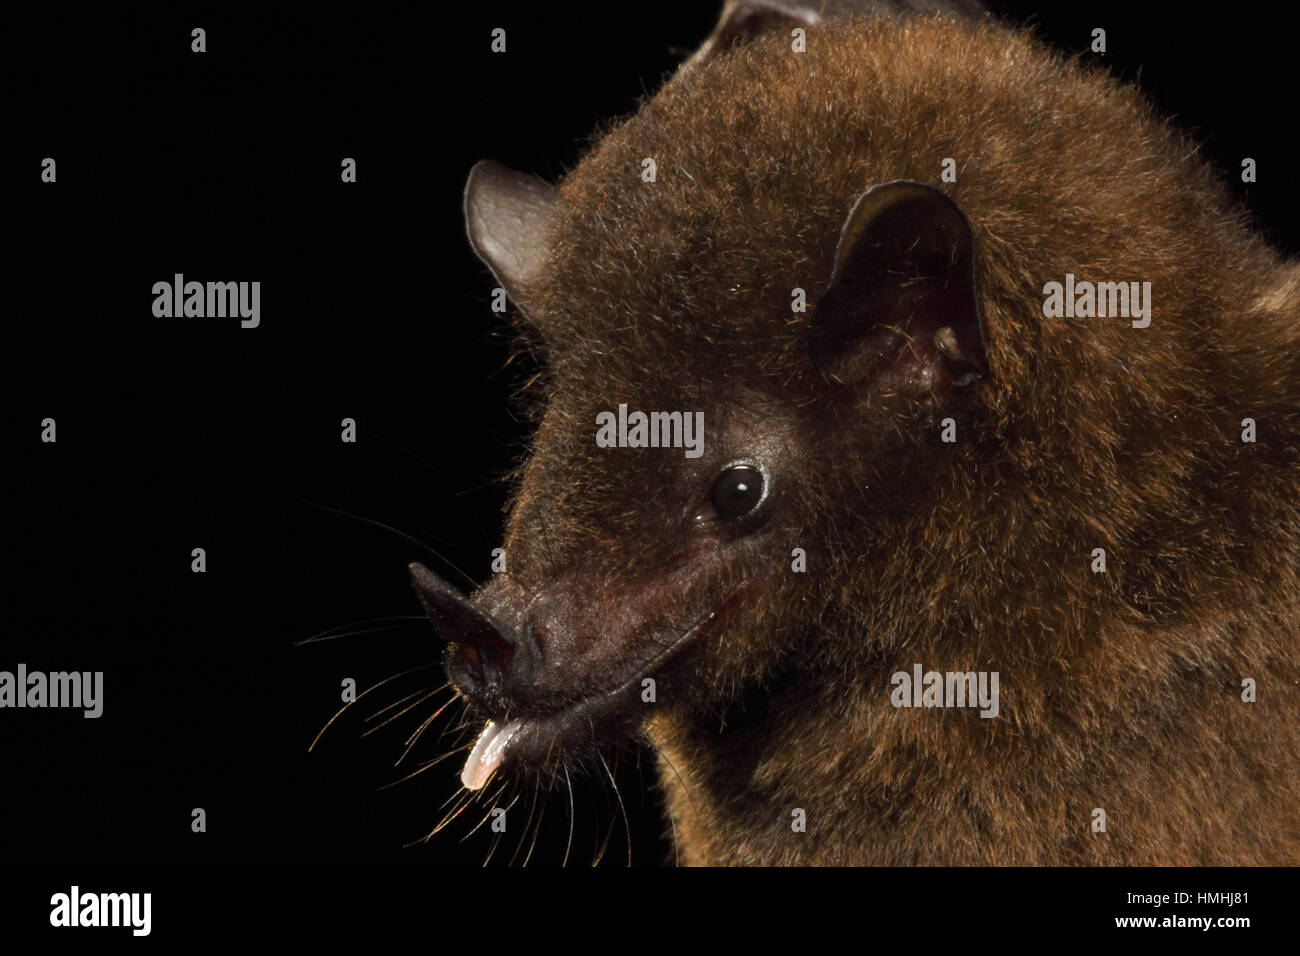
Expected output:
{"points": [[986, 548]]}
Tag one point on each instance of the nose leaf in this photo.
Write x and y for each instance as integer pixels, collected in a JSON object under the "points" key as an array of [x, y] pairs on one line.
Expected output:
{"points": [[486, 646]]}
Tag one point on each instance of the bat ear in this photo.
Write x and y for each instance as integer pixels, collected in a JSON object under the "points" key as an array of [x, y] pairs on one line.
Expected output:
{"points": [[507, 217], [744, 19], [901, 308]]}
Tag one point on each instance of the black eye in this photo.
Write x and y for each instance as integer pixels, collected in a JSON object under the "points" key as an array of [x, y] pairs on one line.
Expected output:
{"points": [[737, 491]]}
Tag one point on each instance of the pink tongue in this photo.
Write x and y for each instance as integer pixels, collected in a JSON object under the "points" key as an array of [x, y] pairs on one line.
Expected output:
{"points": [[487, 753]]}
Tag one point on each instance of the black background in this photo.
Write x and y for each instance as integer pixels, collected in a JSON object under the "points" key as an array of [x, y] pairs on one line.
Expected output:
{"points": [[181, 434]]}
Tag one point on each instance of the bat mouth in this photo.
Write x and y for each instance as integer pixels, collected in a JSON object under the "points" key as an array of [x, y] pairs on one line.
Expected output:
{"points": [[520, 737]]}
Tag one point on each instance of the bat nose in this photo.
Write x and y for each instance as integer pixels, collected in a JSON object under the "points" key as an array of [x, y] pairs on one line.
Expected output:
{"points": [[484, 649]]}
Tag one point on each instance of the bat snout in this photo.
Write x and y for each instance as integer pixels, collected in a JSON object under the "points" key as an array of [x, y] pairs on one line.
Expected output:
{"points": [[482, 651]]}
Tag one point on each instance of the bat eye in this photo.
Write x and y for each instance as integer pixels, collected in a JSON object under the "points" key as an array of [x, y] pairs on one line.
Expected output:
{"points": [[737, 491]]}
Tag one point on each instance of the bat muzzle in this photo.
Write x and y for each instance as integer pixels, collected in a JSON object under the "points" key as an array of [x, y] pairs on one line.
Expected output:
{"points": [[482, 652]]}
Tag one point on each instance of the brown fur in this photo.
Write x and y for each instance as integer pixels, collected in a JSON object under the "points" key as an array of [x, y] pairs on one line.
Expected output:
{"points": [[1119, 690]]}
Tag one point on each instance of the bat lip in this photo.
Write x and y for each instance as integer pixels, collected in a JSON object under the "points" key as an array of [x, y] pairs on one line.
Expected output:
{"points": [[607, 714]]}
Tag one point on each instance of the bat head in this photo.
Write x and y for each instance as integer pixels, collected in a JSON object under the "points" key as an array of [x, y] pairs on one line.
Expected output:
{"points": [[760, 306]]}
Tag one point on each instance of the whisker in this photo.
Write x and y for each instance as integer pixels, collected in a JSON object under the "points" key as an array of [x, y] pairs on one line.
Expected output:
{"points": [[677, 861], [457, 795], [523, 837], [387, 527], [537, 828], [492, 807], [496, 841], [425, 766], [600, 853], [664, 757], [419, 731], [672, 821], [569, 844], [462, 798], [399, 702], [623, 810], [404, 710], [433, 468], [469, 798], [363, 694], [460, 727], [329, 633]]}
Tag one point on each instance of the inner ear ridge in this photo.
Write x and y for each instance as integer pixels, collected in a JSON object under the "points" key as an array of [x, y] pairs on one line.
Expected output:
{"points": [[918, 239]]}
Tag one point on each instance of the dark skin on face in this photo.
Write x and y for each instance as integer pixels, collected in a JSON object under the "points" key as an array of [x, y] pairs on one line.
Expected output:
{"points": [[565, 646], [651, 592]]}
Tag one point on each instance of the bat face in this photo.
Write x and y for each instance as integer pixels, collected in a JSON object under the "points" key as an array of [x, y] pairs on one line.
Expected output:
{"points": [[699, 424], [633, 578]]}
